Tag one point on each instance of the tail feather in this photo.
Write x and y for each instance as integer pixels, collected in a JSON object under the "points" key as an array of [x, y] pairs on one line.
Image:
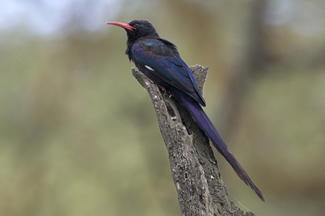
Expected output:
{"points": [[207, 127]]}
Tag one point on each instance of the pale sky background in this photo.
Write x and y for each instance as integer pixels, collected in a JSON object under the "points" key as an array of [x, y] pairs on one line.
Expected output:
{"points": [[46, 17]]}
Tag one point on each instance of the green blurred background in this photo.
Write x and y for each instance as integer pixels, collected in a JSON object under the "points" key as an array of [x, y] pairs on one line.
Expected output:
{"points": [[78, 134]]}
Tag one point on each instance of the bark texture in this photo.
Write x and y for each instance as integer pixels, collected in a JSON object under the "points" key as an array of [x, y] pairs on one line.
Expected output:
{"points": [[200, 188]]}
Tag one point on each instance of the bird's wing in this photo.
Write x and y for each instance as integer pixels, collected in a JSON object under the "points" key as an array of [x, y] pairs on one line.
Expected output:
{"points": [[162, 59]]}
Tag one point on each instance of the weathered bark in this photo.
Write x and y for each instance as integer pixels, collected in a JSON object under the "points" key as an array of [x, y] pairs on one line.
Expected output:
{"points": [[200, 188]]}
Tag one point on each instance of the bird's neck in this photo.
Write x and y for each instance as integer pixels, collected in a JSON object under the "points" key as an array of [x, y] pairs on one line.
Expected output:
{"points": [[132, 40]]}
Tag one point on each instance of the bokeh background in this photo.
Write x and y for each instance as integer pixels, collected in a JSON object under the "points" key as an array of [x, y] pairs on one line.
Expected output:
{"points": [[78, 134]]}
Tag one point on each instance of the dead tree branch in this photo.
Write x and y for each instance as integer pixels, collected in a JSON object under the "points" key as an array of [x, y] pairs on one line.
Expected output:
{"points": [[201, 190]]}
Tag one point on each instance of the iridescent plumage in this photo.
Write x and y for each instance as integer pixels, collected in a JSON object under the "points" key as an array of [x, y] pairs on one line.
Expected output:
{"points": [[159, 60]]}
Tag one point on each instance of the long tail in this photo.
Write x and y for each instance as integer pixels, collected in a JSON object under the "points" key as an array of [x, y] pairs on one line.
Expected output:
{"points": [[207, 127]]}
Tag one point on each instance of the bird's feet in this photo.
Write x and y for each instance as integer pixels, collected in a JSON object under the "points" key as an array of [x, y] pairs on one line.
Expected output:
{"points": [[162, 88]]}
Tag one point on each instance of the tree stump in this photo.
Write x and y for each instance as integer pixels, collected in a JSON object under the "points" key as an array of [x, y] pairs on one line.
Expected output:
{"points": [[200, 188]]}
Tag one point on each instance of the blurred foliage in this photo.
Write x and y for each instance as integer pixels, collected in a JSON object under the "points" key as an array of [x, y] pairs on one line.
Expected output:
{"points": [[78, 135]]}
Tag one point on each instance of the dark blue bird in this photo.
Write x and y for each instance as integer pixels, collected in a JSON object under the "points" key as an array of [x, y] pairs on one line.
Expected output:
{"points": [[159, 60]]}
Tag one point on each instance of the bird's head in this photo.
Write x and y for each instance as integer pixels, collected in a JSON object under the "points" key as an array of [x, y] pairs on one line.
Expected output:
{"points": [[136, 29]]}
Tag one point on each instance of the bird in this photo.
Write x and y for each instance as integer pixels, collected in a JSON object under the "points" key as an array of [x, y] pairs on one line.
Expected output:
{"points": [[160, 61]]}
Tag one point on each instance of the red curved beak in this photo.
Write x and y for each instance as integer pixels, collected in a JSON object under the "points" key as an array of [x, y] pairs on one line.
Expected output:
{"points": [[123, 25]]}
